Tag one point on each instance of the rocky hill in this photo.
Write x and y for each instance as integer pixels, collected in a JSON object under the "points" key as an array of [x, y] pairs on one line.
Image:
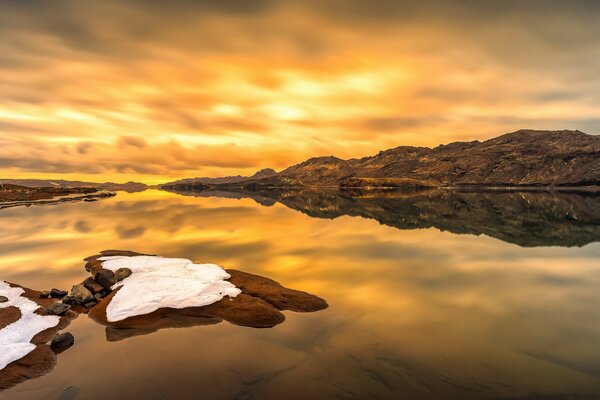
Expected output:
{"points": [[226, 180], [521, 158]]}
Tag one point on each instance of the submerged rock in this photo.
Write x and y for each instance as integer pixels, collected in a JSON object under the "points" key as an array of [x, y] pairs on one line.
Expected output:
{"points": [[62, 340], [81, 294]]}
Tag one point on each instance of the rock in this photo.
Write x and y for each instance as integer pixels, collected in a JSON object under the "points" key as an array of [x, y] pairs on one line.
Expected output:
{"points": [[44, 294], [62, 340], [98, 296], [93, 286], [105, 278], [81, 294], [90, 304], [58, 308], [68, 300], [57, 293], [122, 273], [3, 299]]}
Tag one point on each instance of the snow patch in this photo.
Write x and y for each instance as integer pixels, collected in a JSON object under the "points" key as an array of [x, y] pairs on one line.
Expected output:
{"points": [[15, 339], [159, 282]]}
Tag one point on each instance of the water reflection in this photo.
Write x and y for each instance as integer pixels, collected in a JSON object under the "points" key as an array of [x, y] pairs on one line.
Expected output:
{"points": [[419, 313], [533, 218]]}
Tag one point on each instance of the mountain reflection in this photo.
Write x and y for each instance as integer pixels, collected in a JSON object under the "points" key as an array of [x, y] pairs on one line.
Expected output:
{"points": [[528, 219]]}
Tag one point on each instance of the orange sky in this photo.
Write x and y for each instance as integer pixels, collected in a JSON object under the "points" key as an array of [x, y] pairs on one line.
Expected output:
{"points": [[155, 91]]}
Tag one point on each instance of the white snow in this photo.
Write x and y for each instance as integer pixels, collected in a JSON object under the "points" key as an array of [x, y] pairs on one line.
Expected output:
{"points": [[159, 282], [15, 339]]}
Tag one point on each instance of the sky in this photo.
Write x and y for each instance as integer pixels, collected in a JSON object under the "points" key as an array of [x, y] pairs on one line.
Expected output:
{"points": [[154, 91]]}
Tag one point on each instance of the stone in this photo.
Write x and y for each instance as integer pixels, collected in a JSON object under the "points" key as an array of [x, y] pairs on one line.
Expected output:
{"points": [[90, 304], [57, 293], [68, 300], [81, 294], [105, 278], [3, 299], [93, 286], [98, 296], [58, 308], [44, 294], [122, 273], [62, 340]]}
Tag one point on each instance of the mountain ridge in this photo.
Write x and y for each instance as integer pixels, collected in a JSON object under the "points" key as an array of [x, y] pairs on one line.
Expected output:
{"points": [[525, 157]]}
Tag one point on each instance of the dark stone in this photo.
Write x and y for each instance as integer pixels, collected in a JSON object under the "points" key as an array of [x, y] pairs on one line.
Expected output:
{"points": [[90, 304], [105, 278], [98, 296], [62, 340], [81, 294], [57, 293], [93, 286], [68, 300], [44, 294], [122, 273], [58, 308], [3, 299]]}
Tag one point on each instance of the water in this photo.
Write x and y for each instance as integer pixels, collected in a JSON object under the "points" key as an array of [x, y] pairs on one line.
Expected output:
{"points": [[421, 307]]}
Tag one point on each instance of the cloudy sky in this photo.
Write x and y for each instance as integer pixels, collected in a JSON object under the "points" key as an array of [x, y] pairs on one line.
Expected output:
{"points": [[157, 90]]}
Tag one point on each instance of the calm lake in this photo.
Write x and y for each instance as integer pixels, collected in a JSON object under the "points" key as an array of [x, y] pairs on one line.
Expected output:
{"points": [[442, 296]]}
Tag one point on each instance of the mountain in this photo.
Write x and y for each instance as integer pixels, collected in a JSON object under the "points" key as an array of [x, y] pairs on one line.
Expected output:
{"points": [[60, 183], [521, 158], [226, 180], [526, 218]]}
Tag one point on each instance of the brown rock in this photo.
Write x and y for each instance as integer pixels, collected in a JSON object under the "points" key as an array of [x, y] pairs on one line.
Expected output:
{"points": [[81, 294], [105, 278]]}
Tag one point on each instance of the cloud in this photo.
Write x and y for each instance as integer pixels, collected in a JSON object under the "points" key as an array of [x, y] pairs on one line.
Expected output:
{"points": [[154, 89]]}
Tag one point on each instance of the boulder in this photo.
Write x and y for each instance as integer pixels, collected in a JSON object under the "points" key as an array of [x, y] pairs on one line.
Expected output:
{"points": [[122, 273], [58, 308], [105, 278], [81, 294]]}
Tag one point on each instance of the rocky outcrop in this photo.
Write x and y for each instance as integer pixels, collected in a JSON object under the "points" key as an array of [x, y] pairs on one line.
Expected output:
{"points": [[12, 195], [260, 305], [60, 183]]}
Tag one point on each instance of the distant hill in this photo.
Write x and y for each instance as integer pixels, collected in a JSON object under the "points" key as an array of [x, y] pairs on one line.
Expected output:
{"points": [[226, 180], [60, 183], [521, 158]]}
